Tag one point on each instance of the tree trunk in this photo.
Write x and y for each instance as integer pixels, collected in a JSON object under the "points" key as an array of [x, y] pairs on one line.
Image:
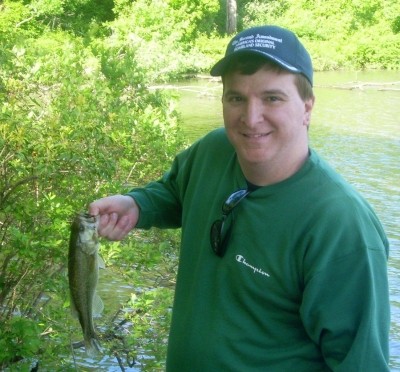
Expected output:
{"points": [[231, 16]]}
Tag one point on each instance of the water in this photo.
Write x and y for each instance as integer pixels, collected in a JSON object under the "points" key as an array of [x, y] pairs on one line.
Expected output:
{"points": [[115, 320], [356, 127]]}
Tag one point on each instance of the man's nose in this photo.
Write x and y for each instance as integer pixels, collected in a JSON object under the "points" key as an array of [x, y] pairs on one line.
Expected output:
{"points": [[253, 113]]}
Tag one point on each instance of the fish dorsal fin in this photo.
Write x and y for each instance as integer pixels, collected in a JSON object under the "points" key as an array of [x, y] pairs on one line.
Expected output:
{"points": [[98, 305]]}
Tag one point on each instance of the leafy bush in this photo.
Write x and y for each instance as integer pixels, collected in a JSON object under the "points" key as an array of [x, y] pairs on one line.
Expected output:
{"points": [[13, 342], [162, 35], [338, 33], [77, 122]]}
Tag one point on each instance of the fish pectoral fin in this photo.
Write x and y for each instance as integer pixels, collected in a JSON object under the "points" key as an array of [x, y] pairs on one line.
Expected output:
{"points": [[100, 262], [98, 305]]}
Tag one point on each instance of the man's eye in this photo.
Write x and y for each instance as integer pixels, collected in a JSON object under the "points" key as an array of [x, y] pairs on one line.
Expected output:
{"points": [[235, 99]]}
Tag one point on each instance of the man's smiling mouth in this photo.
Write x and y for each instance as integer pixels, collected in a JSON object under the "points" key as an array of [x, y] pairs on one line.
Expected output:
{"points": [[255, 135]]}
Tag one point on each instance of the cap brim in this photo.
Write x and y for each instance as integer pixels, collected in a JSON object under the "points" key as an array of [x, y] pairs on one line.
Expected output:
{"points": [[220, 67]]}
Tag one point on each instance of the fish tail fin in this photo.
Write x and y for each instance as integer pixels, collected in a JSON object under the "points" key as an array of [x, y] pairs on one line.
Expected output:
{"points": [[92, 347]]}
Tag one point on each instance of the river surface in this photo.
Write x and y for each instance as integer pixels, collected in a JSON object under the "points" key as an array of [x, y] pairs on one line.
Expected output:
{"points": [[356, 127]]}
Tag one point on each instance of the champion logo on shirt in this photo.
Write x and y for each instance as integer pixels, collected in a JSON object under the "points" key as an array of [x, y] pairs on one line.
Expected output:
{"points": [[256, 270]]}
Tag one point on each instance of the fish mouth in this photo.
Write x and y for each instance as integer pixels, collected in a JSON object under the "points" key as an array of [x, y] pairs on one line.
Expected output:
{"points": [[87, 217]]}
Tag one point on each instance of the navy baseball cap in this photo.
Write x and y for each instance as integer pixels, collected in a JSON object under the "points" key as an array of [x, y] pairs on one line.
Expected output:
{"points": [[274, 43]]}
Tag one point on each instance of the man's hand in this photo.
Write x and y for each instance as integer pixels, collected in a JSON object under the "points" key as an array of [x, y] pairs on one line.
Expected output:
{"points": [[118, 215]]}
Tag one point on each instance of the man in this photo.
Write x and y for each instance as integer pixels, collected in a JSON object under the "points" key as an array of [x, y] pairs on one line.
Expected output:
{"points": [[291, 273]]}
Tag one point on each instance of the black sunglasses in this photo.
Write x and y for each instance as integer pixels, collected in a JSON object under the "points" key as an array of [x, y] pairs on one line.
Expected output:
{"points": [[220, 233]]}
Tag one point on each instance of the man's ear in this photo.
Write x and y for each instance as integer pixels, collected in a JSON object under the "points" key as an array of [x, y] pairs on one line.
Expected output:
{"points": [[308, 105]]}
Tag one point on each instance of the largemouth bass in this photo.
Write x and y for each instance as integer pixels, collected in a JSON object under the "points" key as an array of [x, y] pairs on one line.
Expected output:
{"points": [[83, 273]]}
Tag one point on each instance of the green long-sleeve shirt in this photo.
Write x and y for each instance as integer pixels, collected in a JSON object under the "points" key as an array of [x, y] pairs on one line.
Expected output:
{"points": [[303, 285]]}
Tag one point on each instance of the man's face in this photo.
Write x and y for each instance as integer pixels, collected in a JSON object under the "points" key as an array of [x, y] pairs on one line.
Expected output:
{"points": [[266, 120]]}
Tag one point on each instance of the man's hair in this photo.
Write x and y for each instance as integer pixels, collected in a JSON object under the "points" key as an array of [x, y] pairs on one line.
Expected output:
{"points": [[248, 64]]}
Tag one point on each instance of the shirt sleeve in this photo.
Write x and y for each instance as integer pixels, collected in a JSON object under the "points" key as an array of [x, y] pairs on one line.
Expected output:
{"points": [[160, 202]]}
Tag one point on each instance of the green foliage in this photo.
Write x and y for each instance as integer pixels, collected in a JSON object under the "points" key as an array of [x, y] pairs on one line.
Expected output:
{"points": [[77, 122], [144, 28], [200, 13], [339, 33], [73, 15], [12, 17], [80, 119], [152, 317], [150, 261], [13, 345]]}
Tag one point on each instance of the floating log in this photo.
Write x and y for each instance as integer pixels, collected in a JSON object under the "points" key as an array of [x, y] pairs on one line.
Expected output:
{"points": [[392, 86]]}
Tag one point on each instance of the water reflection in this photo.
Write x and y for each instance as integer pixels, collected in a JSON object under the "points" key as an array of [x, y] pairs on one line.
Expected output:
{"points": [[115, 292]]}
